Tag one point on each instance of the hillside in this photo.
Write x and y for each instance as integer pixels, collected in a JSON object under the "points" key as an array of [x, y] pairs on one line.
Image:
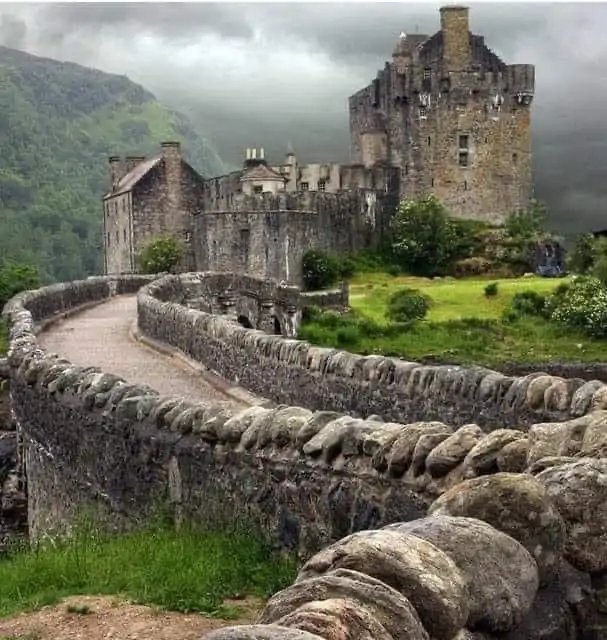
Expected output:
{"points": [[58, 124]]}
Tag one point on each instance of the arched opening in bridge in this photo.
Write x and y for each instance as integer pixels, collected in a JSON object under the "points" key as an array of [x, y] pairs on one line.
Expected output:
{"points": [[277, 327], [245, 322]]}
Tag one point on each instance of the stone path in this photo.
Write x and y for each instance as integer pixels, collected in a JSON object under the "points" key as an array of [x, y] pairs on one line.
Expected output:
{"points": [[100, 337]]}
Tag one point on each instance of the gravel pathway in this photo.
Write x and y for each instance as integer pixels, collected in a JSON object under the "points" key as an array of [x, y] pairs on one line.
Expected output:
{"points": [[100, 337]]}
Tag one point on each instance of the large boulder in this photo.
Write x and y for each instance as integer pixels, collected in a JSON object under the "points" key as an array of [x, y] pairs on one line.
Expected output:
{"points": [[517, 505], [501, 574], [260, 632], [579, 492], [390, 608], [417, 569]]}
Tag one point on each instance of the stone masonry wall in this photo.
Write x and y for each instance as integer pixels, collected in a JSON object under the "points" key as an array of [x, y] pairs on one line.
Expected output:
{"points": [[295, 372], [311, 477]]}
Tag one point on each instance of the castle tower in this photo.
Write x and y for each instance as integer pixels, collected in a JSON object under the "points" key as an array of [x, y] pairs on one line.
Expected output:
{"points": [[456, 121]]}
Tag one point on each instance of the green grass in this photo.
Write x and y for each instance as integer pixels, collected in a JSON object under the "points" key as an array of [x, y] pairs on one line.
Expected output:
{"points": [[463, 325], [190, 570]]}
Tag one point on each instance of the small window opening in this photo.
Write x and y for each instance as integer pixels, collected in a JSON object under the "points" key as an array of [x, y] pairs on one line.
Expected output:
{"points": [[258, 189], [305, 186], [429, 140], [427, 73], [463, 159], [117, 237], [124, 235], [322, 185], [464, 141], [423, 112], [432, 182], [514, 157], [465, 185]]}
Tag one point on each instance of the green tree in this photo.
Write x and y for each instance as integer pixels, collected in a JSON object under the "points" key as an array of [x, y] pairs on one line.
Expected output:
{"points": [[15, 278], [527, 224], [424, 239], [162, 254], [582, 257]]}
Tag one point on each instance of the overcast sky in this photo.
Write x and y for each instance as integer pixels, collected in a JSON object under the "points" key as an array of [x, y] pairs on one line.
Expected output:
{"points": [[266, 74]]}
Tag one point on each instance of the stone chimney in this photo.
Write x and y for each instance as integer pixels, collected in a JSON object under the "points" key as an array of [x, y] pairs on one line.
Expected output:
{"points": [[171, 155], [116, 170], [130, 162], [455, 25]]}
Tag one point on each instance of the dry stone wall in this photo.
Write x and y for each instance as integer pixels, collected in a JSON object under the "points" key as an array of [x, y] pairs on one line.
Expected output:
{"points": [[297, 373], [532, 499]]}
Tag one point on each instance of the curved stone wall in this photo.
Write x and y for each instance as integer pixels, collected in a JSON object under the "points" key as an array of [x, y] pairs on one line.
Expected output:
{"points": [[515, 545], [297, 373]]}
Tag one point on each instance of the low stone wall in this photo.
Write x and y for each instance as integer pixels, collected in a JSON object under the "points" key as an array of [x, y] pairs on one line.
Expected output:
{"points": [[496, 558], [331, 299], [296, 373]]}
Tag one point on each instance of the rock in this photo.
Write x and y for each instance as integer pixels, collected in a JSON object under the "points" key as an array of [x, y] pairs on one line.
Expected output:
{"points": [[502, 576], [515, 504], [482, 458], [594, 444], [449, 453], [513, 457], [579, 492], [260, 632], [417, 569], [336, 619], [400, 454], [391, 609], [556, 438]]}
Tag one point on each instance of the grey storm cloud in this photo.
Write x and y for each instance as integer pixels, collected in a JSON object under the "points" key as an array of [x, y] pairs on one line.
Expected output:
{"points": [[267, 74]]}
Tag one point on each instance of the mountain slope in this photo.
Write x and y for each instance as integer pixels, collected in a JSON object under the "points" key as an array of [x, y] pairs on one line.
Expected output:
{"points": [[59, 122]]}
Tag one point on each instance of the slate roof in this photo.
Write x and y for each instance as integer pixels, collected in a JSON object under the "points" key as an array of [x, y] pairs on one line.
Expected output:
{"points": [[262, 172], [129, 180]]}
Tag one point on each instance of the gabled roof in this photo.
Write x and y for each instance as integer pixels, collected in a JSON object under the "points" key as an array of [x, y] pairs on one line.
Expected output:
{"points": [[129, 180], [262, 172]]}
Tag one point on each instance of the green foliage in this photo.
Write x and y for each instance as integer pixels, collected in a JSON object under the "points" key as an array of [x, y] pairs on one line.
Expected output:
{"points": [[528, 224], [491, 289], [424, 240], [475, 266], [15, 278], [581, 258], [407, 306], [161, 255], [323, 270], [599, 264], [58, 124], [530, 303], [190, 569], [583, 306]]}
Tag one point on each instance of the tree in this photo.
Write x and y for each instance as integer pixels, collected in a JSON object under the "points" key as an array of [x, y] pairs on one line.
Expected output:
{"points": [[424, 239], [15, 278], [162, 254], [527, 224], [583, 255]]}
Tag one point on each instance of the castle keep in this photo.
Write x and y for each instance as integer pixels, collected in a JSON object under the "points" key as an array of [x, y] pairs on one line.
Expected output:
{"points": [[445, 116]]}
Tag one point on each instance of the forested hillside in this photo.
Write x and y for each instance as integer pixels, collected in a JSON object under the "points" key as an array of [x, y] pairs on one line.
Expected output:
{"points": [[59, 122]]}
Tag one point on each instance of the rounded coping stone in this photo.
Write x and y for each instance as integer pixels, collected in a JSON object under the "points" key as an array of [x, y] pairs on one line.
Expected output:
{"points": [[501, 574], [416, 568], [260, 632]]}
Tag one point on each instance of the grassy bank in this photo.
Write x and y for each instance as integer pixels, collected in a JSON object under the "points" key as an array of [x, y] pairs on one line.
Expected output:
{"points": [[463, 324], [189, 570]]}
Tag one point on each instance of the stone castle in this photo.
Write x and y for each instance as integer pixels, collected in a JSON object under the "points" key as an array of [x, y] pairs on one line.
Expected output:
{"points": [[445, 116]]}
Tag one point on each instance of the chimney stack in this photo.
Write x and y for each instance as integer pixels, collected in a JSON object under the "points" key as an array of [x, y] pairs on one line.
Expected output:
{"points": [[171, 155], [253, 153], [131, 162], [454, 23], [261, 154], [116, 170]]}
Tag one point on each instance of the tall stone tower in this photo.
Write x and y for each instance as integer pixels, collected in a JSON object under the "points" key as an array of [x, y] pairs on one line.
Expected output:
{"points": [[454, 118]]}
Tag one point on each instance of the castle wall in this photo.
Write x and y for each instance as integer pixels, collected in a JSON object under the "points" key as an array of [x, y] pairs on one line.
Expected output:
{"points": [[266, 236]]}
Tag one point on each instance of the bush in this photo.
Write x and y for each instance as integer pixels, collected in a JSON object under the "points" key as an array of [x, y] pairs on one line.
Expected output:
{"points": [[321, 270], [582, 257], [475, 266], [491, 289], [161, 255], [529, 303], [15, 278], [583, 306], [407, 305]]}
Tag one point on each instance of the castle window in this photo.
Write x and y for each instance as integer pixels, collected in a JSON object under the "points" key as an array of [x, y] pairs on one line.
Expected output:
{"points": [[432, 182], [108, 239], [322, 185], [258, 189], [124, 235], [423, 112], [465, 185], [117, 237], [464, 142], [305, 186], [463, 158], [188, 236], [429, 140], [427, 73], [406, 169], [514, 157]]}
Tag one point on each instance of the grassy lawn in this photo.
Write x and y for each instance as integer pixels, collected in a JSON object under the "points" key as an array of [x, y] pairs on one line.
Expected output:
{"points": [[188, 571], [463, 325]]}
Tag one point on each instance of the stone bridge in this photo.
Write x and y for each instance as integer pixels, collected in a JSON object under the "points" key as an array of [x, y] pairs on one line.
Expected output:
{"points": [[425, 502]]}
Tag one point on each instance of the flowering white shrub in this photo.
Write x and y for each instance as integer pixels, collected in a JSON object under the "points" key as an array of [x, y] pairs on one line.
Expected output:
{"points": [[583, 305]]}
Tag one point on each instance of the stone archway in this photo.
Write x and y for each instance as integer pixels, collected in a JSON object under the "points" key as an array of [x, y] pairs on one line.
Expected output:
{"points": [[245, 322]]}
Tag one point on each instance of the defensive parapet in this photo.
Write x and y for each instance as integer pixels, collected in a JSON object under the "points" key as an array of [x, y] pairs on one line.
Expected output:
{"points": [[311, 477]]}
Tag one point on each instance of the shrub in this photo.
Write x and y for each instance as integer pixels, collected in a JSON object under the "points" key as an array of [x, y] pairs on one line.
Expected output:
{"points": [[15, 278], [529, 303], [475, 266], [555, 298], [583, 306], [321, 270], [408, 305], [161, 255], [582, 257], [491, 289]]}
